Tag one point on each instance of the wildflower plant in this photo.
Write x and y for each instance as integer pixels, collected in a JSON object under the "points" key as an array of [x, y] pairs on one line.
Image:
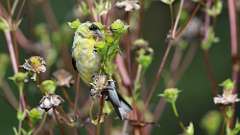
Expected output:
{"points": [[94, 73]]}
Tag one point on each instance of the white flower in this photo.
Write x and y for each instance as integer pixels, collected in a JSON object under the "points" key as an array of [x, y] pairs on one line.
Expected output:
{"points": [[128, 5], [226, 99]]}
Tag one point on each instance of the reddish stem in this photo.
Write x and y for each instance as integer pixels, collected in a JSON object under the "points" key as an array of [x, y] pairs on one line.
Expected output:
{"points": [[233, 27], [77, 94], [11, 51], [234, 51], [123, 71], [160, 69], [50, 17]]}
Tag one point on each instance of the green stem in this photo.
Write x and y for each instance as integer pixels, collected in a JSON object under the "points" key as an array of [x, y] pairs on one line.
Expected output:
{"points": [[229, 112], [175, 110], [21, 107], [137, 83], [90, 111], [177, 115]]}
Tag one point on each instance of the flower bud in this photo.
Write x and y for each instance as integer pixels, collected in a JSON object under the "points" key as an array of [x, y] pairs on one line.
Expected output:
{"points": [[118, 27], [19, 78], [48, 86], [170, 94]]}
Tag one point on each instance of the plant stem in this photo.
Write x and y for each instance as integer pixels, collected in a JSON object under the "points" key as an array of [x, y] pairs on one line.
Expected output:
{"points": [[177, 19], [127, 46], [162, 64], [8, 94], [171, 15], [210, 73], [177, 115], [41, 124], [140, 19], [11, 50], [77, 94], [233, 27], [67, 97], [137, 82], [50, 17], [101, 106], [22, 107], [234, 52], [123, 71], [14, 7], [196, 9], [160, 69], [175, 110]]}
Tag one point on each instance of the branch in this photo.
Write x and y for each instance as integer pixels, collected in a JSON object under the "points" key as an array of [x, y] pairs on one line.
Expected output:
{"points": [[165, 56], [234, 51]]}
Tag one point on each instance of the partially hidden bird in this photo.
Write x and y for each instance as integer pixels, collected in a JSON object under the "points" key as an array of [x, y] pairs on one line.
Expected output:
{"points": [[93, 51]]}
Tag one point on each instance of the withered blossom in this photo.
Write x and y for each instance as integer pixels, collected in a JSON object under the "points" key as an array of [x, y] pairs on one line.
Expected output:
{"points": [[128, 5], [226, 98], [50, 101], [63, 77], [99, 83], [35, 64]]}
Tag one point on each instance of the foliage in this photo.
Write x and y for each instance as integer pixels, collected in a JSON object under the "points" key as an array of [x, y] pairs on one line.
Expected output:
{"points": [[114, 57]]}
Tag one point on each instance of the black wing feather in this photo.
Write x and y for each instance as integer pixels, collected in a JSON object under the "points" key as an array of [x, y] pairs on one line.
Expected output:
{"points": [[74, 64]]}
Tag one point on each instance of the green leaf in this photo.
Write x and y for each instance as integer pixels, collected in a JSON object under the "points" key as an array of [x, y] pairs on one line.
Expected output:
{"points": [[48, 86], [74, 24]]}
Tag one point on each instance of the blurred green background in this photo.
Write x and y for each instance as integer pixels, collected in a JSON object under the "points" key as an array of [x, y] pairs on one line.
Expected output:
{"points": [[195, 99]]}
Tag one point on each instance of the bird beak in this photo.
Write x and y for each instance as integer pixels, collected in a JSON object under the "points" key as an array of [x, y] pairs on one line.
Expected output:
{"points": [[98, 34]]}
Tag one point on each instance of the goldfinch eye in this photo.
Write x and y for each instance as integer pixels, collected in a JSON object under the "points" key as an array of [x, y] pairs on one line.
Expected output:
{"points": [[93, 27]]}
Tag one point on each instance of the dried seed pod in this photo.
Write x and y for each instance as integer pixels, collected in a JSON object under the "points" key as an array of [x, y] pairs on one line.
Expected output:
{"points": [[63, 78], [50, 101]]}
